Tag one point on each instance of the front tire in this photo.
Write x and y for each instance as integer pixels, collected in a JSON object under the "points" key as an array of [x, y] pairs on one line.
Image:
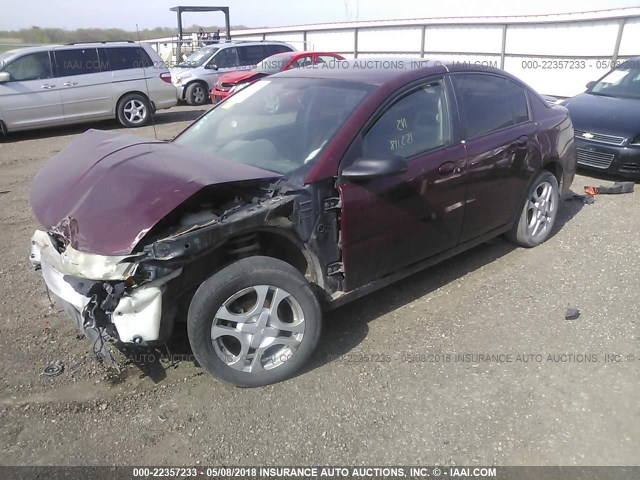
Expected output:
{"points": [[196, 94], [539, 212], [134, 110], [255, 322]]}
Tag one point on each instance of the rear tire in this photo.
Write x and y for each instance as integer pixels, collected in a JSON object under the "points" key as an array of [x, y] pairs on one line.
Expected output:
{"points": [[134, 110], [255, 322], [197, 94], [539, 212]]}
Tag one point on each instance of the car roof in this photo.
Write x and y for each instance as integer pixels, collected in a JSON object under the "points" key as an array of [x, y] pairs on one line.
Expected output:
{"points": [[46, 48], [294, 54], [387, 70], [370, 70], [236, 43]]}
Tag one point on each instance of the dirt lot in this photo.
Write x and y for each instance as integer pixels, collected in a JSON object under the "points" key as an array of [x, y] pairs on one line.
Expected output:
{"points": [[561, 402]]}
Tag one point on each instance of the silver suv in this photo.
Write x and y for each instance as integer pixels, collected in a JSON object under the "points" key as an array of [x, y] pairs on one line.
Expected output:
{"points": [[74, 83], [196, 75]]}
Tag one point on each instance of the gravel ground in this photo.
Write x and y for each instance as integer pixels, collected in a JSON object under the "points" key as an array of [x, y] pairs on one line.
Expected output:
{"points": [[552, 397]]}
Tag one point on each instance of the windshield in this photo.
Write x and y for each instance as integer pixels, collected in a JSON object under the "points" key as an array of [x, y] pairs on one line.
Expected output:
{"points": [[624, 81], [272, 65], [198, 58], [3, 59], [277, 125]]}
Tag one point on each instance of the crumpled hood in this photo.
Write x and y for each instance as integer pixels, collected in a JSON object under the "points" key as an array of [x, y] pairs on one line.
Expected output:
{"points": [[608, 115], [105, 191], [239, 76]]}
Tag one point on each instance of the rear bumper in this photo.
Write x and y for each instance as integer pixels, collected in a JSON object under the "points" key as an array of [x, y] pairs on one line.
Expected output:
{"points": [[179, 91], [164, 95], [621, 161], [103, 300]]}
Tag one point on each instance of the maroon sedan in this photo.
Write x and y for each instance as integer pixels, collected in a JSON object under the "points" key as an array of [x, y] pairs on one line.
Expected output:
{"points": [[231, 82], [264, 212]]}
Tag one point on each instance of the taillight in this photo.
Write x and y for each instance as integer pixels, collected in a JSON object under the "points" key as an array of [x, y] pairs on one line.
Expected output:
{"points": [[165, 77]]}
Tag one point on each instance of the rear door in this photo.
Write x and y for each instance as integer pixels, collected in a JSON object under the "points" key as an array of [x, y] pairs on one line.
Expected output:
{"points": [[85, 85], [499, 134], [31, 97], [391, 222]]}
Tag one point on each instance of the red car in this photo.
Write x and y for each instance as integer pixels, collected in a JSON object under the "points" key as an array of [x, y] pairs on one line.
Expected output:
{"points": [[230, 82]]}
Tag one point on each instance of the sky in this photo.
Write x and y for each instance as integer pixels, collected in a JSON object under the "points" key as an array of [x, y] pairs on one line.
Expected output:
{"points": [[125, 14]]}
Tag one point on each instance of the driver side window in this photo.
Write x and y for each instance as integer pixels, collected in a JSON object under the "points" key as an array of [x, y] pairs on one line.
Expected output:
{"points": [[226, 58], [35, 66], [416, 123]]}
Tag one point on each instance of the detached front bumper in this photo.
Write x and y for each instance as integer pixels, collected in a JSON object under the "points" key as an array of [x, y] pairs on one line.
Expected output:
{"points": [[99, 293]]}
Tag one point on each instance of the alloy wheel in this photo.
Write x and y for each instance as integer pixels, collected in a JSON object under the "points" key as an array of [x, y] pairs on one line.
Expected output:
{"points": [[258, 328], [540, 209], [135, 111]]}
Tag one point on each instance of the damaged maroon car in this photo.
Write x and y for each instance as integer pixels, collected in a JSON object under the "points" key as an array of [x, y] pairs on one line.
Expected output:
{"points": [[301, 192]]}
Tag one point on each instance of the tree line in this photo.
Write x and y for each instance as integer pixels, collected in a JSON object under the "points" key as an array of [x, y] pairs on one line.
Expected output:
{"points": [[37, 35]]}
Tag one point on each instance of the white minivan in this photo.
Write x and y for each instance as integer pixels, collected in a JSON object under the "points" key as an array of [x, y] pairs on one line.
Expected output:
{"points": [[196, 75], [64, 84]]}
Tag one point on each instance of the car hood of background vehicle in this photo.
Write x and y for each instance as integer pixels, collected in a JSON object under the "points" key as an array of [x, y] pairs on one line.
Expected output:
{"points": [[237, 77], [105, 191], [608, 115]]}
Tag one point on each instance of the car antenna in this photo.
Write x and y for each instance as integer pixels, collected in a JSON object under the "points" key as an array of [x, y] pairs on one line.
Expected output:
{"points": [[146, 84]]}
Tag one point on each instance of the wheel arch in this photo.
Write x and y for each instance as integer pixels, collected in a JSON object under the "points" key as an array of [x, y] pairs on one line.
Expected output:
{"points": [[555, 167], [284, 245]]}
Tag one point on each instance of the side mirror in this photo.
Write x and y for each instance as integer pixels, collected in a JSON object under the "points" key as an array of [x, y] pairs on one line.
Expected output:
{"points": [[213, 66], [368, 168], [4, 77], [590, 85]]}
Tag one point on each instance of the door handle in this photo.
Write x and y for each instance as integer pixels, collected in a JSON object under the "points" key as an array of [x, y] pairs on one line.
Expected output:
{"points": [[446, 168], [69, 84], [523, 140], [47, 87]]}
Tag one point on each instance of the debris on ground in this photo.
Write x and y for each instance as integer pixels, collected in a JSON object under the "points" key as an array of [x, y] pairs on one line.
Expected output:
{"points": [[53, 369], [572, 313], [617, 188], [586, 199]]}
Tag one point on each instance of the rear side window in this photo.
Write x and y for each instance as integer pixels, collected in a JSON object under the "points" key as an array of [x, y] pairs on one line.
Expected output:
{"points": [[416, 123], [326, 59], [489, 103], [251, 54], [34, 66], [518, 98], [78, 61], [273, 49], [123, 58]]}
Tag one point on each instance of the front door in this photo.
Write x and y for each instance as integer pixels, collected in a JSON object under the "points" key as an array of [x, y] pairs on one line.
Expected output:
{"points": [[31, 97], [391, 222]]}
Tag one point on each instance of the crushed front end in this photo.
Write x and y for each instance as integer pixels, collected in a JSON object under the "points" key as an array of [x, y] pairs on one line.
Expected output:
{"points": [[106, 296]]}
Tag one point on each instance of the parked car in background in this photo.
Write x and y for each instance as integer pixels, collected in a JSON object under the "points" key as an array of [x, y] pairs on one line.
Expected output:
{"points": [[606, 119], [195, 76], [254, 218], [64, 84], [231, 82]]}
